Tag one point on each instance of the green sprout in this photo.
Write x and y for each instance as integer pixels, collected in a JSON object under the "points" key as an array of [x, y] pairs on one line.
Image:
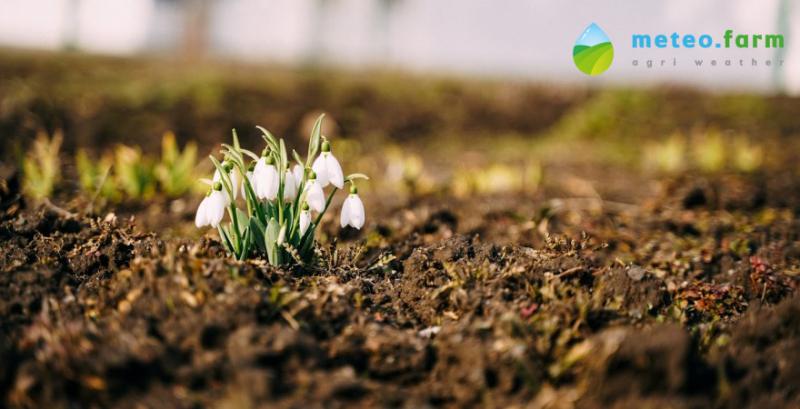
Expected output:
{"points": [[94, 175], [41, 166], [134, 172], [175, 171]]}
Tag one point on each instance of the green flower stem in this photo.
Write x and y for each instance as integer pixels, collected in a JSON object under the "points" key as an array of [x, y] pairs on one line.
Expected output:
{"points": [[245, 246], [298, 202], [279, 199], [327, 203], [235, 224], [250, 199]]}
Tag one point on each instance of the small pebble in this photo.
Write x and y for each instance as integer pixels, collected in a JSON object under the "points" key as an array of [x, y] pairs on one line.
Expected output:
{"points": [[430, 331], [636, 273]]}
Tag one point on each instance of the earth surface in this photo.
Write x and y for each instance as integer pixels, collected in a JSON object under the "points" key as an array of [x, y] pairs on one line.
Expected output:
{"points": [[597, 282]]}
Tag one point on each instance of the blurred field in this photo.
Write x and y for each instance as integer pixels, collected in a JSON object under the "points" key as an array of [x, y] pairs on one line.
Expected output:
{"points": [[447, 134]]}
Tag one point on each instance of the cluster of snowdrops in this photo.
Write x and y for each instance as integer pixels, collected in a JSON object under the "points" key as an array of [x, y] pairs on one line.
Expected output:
{"points": [[284, 202]]}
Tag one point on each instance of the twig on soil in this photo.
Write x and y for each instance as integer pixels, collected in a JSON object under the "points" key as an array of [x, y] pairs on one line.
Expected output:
{"points": [[58, 210], [569, 272], [580, 203], [290, 320], [99, 188]]}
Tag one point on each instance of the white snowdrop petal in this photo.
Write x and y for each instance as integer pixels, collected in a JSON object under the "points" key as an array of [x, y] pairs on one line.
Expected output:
{"points": [[265, 180], [260, 164], [357, 216], [216, 207], [200, 217], [289, 187], [235, 181], [297, 171], [258, 178], [334, 170], [305, 221], [345, 214], [271, 182], [314, 196], [320, 168]]}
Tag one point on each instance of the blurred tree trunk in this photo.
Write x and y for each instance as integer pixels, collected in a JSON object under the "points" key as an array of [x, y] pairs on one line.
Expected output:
{"points": [[195, 34], [71, 16], [316, 43], [383, 29]]}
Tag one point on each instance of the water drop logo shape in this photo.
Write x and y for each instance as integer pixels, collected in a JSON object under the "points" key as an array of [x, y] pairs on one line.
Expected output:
{"points": [[593, 52]]}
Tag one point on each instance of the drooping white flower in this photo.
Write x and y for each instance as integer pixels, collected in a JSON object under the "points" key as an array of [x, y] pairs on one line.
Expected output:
{"points": [[353, 210], [266, 179], [327, 168], [200, 217], [289, 187], [305, 219], [297, 171], [236, 181], [212, 208], [233, 175], [315, 197]]}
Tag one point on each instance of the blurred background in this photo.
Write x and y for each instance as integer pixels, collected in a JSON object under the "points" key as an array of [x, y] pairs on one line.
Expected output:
{"points": [[119, 102], [530, 39]]}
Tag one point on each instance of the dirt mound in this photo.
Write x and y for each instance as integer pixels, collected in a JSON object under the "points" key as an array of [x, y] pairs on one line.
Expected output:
{"points": [[760, 363], [657, 367]]}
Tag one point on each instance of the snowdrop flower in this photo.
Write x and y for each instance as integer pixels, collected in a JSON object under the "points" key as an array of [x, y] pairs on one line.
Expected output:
{"points": [[327, 168], [315, 197], [353, 210], [305, 219], [289, 187], [297, 171], [212, 208], [265, 178], [232, 174]]}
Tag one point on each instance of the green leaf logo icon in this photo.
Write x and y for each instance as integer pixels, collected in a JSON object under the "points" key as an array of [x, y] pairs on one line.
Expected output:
{"points": [[593, 52]]}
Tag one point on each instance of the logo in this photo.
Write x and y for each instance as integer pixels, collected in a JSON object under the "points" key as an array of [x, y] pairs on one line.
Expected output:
{"points": [[593, 52]]}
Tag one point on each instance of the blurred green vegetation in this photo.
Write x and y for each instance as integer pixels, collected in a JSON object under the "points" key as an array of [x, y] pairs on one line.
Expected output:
{"points": [[94, 175], [124, 172], [416, 135], [42, 166], [176, 170], [674, 130], [706, 150]]}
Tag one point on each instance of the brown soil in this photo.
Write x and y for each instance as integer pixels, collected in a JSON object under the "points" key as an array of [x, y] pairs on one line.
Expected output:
{"points": [[683, 298]]}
